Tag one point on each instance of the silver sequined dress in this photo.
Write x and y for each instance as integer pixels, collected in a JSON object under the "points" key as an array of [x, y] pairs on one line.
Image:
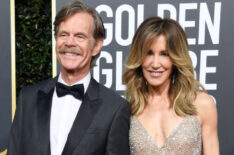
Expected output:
{"points": [[185, 139]]}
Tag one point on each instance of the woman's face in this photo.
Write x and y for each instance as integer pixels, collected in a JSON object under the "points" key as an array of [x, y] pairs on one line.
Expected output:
{"points": [[157, 65]]}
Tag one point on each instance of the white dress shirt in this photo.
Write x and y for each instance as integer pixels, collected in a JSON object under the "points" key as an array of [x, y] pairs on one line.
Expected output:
{"points": [[63, 113]]}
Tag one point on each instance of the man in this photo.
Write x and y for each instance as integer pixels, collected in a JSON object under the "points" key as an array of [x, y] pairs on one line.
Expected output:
{"points": [[58, 116]]}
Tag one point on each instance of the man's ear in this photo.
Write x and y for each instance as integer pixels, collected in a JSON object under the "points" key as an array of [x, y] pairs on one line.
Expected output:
{"points": [[97, 46]]}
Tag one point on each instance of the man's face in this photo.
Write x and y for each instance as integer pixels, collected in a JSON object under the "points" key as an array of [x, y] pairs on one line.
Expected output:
{"points": [[75, 44]]}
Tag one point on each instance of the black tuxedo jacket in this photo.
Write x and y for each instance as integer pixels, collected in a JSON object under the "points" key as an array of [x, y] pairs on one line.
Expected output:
{"points": [[101, 126]]}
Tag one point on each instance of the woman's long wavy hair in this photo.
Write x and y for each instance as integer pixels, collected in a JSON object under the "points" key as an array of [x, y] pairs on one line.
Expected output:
{"points": [[183, 86]]}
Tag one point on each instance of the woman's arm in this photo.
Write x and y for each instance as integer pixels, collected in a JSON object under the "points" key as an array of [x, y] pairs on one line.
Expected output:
{"points": [[207, 115]]}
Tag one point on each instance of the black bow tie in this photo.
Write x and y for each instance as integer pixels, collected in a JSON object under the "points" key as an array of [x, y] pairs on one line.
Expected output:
{"points": [[76, 90]]}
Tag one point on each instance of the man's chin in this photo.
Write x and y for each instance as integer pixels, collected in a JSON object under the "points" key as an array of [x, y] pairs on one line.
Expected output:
{"points": [[69, 69]]}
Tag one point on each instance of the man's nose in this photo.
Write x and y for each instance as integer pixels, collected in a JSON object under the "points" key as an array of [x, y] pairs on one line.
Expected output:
{"points": [[70, 41]]}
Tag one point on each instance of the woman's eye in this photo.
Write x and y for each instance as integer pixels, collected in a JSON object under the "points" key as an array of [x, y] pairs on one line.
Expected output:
{"points": [[149, 52], [164, 53]]}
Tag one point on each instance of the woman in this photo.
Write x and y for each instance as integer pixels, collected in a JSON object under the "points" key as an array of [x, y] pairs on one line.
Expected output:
{"points": [[171, 112]]}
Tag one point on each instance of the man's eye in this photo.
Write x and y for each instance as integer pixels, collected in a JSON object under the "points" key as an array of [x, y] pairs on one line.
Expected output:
{"points": [[62, 35], [80, 36]]}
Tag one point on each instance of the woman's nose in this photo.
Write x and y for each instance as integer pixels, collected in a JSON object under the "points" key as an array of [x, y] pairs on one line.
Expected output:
{"points": [[155, 62]]}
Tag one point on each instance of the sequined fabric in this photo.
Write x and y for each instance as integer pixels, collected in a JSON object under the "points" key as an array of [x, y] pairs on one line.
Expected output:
{"points": [[185, 139]]}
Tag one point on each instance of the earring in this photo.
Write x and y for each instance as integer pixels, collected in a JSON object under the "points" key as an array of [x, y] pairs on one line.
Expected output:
{"points": [[173, 79]]}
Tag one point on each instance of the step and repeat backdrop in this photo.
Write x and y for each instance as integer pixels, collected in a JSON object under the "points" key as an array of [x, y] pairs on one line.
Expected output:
{"points": [[209, 28]]}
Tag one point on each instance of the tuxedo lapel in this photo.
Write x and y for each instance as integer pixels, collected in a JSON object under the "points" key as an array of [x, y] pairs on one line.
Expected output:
{"points": [[87, 111], [44, 102]]}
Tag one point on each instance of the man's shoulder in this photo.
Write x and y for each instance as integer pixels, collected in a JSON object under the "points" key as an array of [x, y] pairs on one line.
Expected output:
{"points": [[38, 86], [28, 95], [110, 94], [113, 102], [112, 99]]}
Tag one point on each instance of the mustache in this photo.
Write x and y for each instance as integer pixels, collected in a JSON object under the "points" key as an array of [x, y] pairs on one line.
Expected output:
{"points": [[70, 50]]}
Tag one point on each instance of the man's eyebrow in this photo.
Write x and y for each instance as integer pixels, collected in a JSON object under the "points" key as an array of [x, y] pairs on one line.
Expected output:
{"points": [[62, 31]]}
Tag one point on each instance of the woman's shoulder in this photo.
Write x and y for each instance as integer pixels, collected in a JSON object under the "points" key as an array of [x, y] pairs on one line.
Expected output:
{"points": [[203, 99], [205, 105]]}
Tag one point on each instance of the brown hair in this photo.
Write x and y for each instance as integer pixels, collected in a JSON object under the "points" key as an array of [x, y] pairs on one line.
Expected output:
{"points": [[183, 85], [74, 7]]}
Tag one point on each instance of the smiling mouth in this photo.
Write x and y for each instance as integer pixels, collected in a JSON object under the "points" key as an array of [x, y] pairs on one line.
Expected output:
{"points": [[156, 74], [70, 53]]}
